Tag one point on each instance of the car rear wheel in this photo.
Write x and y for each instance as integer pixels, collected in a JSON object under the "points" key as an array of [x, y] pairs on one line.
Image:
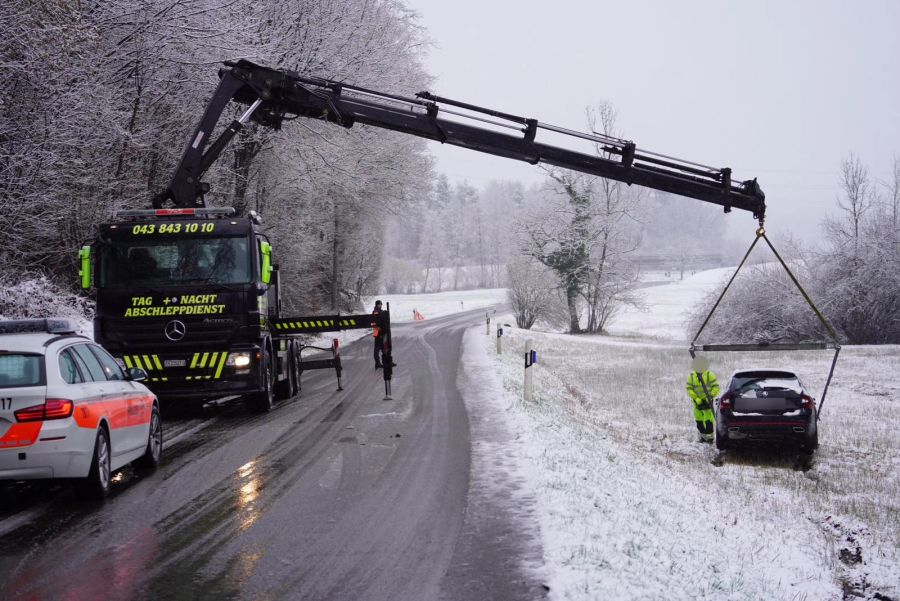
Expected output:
{"points": [[812, 442], [722, 442], [96, 485], [153, 452]]}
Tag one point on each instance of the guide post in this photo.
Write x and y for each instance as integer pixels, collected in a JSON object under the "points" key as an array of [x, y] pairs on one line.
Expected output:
{"points": [[530, 360]]}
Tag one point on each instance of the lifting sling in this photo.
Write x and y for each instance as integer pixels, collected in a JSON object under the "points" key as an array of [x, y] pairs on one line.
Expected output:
{"points": [[771, 346]]}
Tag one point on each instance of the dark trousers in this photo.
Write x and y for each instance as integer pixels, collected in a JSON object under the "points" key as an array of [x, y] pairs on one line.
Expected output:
{"points": [[705, 428], [379, 349]]}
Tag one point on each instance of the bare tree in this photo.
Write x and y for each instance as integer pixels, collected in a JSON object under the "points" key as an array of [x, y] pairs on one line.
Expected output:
{"points": [[531, 291], [560, 236], [612, 276], [893, 195], [586, 235], [857, 195]]}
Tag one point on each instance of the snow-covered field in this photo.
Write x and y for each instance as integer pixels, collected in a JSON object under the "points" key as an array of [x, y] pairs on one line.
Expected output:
{"points": [[438, 303], [633, 508]]}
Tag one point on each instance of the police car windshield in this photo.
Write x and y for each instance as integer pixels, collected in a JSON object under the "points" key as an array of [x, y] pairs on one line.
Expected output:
{"points": [[167, 261]]}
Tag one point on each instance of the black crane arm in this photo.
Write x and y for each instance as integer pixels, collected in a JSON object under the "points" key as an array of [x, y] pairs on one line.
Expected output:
{"points": [[275, 95]]}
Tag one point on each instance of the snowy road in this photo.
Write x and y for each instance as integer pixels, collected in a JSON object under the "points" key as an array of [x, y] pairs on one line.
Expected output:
{"points": [[334, 495]]}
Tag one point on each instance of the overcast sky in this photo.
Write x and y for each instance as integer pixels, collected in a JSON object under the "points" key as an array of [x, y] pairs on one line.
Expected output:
{"points": [[777, 90]]}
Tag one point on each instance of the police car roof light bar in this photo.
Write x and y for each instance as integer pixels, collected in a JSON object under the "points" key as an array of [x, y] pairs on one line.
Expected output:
{"points": [[50, 325]]}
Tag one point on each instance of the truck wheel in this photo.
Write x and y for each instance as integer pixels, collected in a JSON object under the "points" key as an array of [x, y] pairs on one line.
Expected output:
{"points": [[264, 400], [96, 485], [287, 387], [150, 459]]}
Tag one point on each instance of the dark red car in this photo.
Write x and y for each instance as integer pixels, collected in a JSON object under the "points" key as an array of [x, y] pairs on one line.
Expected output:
{"points": [[766, 405]]}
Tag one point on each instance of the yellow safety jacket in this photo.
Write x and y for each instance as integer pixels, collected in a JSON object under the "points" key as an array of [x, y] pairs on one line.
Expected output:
{"points": [[702, 403]]}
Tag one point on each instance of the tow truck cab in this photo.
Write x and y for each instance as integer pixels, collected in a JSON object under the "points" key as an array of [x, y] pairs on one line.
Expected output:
{"points": [[186, 295]]}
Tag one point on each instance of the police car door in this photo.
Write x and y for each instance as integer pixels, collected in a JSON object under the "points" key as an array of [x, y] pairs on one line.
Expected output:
{"points": [[104, 397], [130, 394]]}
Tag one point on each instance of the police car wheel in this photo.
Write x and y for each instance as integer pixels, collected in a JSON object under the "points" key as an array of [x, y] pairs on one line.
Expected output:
{"points": [[96, 485], [151, 456]]}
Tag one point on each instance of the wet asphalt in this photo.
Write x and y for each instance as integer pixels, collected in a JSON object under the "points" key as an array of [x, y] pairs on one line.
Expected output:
{"points": [[333, 495]]}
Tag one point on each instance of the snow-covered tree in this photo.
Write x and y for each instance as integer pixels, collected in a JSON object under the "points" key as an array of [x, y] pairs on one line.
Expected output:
{"points": [[585, 233], [532, 291], [97, 100]]}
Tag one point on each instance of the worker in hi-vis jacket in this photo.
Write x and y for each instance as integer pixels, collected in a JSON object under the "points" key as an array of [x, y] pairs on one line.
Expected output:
{"points": [[703, 388]]}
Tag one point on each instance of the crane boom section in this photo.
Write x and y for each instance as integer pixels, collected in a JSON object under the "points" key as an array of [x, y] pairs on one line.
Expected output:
{"points": [[276, 95]]}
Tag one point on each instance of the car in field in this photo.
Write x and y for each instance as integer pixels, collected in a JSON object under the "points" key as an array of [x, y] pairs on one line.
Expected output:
{"points": [[768, 405], [68, 410]]}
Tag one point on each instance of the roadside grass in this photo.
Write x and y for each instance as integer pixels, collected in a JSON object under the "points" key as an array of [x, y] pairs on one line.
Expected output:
{"points": [[627, 440]]}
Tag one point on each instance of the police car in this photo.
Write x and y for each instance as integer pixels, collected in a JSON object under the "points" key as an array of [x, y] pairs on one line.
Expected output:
{"points": [[68, 410]]}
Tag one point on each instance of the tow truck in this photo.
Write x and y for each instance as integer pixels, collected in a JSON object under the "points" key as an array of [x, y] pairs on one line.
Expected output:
{"points": [[203, 316]]}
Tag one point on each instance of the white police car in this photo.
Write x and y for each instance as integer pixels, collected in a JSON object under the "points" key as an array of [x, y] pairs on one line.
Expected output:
{"points": [[67, 410]]}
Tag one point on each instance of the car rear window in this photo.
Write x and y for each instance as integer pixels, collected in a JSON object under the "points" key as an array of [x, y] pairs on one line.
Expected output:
{"points": [[765, 379], [21, 369]]}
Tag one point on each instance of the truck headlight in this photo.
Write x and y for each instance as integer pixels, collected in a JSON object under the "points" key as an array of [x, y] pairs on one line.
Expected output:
{"points": [[238, 360]]}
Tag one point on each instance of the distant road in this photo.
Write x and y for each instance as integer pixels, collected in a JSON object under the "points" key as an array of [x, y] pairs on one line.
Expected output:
{"points": [[332, 496]]}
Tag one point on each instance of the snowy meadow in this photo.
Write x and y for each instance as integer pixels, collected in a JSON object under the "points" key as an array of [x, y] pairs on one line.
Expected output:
{"points": [[632, 507]]}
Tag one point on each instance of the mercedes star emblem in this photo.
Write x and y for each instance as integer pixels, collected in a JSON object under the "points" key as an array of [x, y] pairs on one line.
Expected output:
{"points": [[175, 330]]}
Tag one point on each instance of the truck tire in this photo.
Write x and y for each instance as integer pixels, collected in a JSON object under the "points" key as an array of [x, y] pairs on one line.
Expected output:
{"points": [[264, 400], [287, 387], [96, 486], [150, 459]]}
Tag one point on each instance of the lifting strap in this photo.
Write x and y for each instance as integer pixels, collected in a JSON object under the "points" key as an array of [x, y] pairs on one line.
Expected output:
{"points": [[773, 346]]}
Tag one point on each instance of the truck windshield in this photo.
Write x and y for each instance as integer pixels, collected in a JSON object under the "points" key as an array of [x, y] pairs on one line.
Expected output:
{"points": [[168, 261]]}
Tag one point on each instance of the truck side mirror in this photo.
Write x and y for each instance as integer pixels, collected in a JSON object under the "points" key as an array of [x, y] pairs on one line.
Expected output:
{"points": [[84, 255], [266, 271]]}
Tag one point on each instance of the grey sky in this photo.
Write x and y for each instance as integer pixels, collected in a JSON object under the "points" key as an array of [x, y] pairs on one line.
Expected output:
{"points": [[781, 91]]}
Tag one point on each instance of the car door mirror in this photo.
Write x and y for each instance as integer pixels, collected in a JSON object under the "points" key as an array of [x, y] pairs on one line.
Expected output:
{"points": [[136, 374]]}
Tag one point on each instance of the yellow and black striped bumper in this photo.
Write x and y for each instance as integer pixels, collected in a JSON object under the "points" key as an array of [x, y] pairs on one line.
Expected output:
{"points": [[324, 323], [191, 367]]}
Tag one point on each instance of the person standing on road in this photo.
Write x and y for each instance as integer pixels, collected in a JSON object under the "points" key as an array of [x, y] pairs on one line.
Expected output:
{"points": [[702, 388], [376, 333]]}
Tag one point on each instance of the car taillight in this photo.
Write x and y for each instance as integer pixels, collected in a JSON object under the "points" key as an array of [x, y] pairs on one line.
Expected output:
{"points": [[725, 401], [52, 409], [807, 402]]}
